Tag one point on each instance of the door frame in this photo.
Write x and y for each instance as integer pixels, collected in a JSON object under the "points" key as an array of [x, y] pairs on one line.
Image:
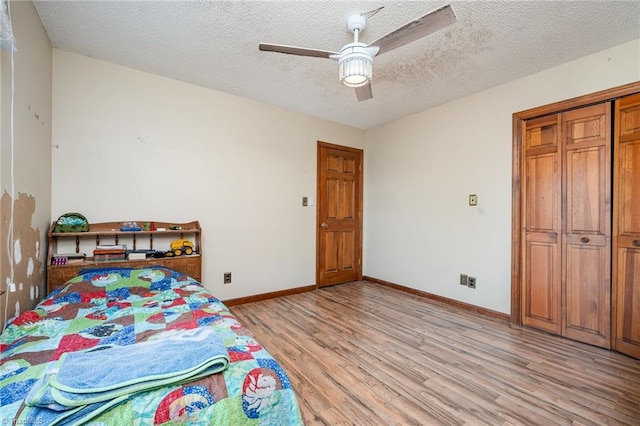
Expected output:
{"points": [[518, 122], [359, 205]]}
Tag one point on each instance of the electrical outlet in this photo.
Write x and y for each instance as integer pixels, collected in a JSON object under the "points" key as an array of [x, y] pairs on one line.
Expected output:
{"points": [[463, 279], [227, 277], [473, 200], [472, 282]]}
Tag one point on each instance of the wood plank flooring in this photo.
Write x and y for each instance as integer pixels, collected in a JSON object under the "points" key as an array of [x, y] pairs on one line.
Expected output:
{"points": [[365, 354]]}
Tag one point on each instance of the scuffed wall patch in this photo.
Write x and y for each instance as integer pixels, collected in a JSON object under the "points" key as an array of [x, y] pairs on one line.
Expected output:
{"points": [[25, 245], [30, 267], [17, 252]]}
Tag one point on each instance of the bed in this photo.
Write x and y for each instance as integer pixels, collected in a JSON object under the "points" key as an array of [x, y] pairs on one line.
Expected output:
{"points": [[103, 313]]}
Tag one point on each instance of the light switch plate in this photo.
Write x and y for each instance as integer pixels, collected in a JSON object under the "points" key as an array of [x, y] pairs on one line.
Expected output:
{"points": [[305, 201], [473, 200]]}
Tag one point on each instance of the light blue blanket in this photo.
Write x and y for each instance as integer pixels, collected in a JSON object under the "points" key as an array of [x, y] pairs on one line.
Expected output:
{"points": [[104, 377]]}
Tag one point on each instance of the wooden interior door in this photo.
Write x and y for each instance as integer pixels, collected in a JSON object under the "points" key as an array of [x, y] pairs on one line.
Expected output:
{"points": [[586, 249], [626, 253], [339, 215], [542, 224]]}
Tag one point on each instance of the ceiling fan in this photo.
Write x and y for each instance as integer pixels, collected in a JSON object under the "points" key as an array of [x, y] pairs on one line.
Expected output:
{"points": [[355, 60]]}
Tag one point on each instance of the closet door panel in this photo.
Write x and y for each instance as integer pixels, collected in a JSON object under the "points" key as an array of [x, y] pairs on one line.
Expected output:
{"points": [[587, 125], [629, 117], [628, 302], [587, 295], [542, 133], [542, 285], [587, 231], [542, 225], [542, 194], [626, 284], [629, 188], [587, 193]]}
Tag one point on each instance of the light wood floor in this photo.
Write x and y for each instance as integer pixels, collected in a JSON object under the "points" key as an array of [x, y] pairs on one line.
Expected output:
{"points": [[365, 354]]}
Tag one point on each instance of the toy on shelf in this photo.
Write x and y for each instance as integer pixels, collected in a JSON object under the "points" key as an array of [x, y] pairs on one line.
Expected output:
{"points": [[71, 222], [180, 247], [149, 226], [130, 227]]}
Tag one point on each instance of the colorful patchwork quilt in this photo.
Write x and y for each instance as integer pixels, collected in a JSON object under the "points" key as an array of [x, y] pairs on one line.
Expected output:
{"points": [[111, 308]]}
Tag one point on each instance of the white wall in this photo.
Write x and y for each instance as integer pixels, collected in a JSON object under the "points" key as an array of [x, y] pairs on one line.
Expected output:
{"points": [[135, 146], [28, 187], [419, 229], [32, 105]]}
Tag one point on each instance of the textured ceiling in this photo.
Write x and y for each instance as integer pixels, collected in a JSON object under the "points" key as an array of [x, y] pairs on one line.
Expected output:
{"points": [[215, 44]]}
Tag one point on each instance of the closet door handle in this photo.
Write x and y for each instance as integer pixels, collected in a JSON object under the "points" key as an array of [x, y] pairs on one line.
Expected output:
{"points": [[585, 240], [636, 243]]}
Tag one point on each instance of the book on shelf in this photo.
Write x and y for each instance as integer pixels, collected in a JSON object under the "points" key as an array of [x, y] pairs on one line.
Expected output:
{"points": [[111, 247], [96, 252], [71, 255], [137, 256], [109, 257], [59, 259]]}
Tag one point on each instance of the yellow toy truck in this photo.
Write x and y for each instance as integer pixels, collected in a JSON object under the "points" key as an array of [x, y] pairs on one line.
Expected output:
{"points": [[179, 247]]}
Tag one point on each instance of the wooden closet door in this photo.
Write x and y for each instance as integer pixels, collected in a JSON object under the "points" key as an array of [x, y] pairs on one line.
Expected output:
{"points": [[542, 225], [626, 254], [586, 248], [567, 224]]}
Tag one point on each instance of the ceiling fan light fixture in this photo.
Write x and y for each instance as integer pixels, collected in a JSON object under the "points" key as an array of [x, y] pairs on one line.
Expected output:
{"points": [[355, 68], [355, 60]]}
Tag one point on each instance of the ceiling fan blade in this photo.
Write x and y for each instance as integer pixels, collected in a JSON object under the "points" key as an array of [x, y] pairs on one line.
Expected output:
{"points": [[300, 51], [370, 13], [421, 27], [364, 93]]}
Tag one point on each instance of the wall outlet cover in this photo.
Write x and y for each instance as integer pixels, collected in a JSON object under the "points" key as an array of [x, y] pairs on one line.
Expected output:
{"points": [[472, 282]]}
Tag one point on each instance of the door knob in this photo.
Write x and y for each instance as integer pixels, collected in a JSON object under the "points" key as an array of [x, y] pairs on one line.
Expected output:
{"points": [[585, 240], [324, 226], [636, 243]]}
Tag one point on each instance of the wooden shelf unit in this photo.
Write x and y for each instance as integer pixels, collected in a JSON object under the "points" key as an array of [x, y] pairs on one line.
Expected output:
{"points": [[191, 265]]}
